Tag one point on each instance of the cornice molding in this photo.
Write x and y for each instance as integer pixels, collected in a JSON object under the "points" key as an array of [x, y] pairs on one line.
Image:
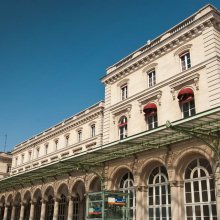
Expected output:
{"points": [[58, 131], [159, 49]]}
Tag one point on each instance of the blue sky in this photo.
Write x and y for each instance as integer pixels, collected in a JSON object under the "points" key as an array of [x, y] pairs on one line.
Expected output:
{"points": [[53, 54]]}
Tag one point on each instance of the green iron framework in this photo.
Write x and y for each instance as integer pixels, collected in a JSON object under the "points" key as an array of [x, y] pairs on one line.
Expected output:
{"points": [[204, 126]]}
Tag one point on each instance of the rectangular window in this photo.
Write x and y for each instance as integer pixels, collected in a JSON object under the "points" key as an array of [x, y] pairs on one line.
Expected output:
{"points": [[151, 78], [37, 152], [22, 158], [79, 136], [188, 109], [29, 155], [152, 122], [92, 130], [185, 61], [46, 149], [56, 144], [67, 140], [16, 161], [124, 92], [8, 168]]}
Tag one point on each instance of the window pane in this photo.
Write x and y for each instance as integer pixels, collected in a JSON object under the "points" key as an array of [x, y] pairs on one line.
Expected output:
{"points": [[189, 211], [196, 196], [198, 211], [204, 196], [204, 184], [206, 210], [196, 186], [188, 187], [188, 198]]}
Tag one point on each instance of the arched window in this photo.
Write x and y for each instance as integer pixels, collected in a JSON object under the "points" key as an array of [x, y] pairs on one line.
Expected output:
{"points": [[127, 186], [27, 210], [200, 201], [37, 209], [159, 204], [186, 101], [63, 208], [123, 127], [150, 111], [76, 206], [9, 212], [17, 211], [2, 211], [49, 208]]}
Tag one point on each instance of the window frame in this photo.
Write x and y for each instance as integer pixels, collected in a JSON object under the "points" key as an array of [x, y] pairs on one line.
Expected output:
{"points": [[46, 146], [154, 123], [93, 130], [37, 152], [151, 78], [79, 136], [124, 91], [185, 61], [191, 110], [189, 193], [153, 198], [123, 130], [67, 137], [56, 142]]}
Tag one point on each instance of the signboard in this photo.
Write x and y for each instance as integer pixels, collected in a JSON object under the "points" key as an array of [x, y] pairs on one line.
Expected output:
{"points": [[116, 201]]}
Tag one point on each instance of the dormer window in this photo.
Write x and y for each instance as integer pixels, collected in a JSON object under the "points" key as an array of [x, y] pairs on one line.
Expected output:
{"points": [[150, 111], [151, 78], [185, 60], [124, 91], [123, 127], [187, 103]]}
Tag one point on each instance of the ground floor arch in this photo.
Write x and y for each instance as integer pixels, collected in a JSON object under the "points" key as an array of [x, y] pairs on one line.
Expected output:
{"points": [[181, 182]]}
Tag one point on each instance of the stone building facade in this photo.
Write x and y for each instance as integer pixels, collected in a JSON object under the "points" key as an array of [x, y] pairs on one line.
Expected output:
{"points": [[156, 136], [5, 164]]}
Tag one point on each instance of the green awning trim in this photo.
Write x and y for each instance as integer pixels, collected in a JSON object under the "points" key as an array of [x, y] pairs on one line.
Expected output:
{"points": [[199, 126]]}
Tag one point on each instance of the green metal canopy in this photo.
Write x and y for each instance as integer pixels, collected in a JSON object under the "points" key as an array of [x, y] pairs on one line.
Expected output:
{"points": [[202, 126]]}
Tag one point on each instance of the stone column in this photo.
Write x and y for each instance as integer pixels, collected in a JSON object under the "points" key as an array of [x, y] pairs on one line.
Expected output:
{"points": [[70, 209], [32, 211], [177, 199], [13, 212], [56, 209], [5, 213], [43, 210], [141, 200], [22, 211]]}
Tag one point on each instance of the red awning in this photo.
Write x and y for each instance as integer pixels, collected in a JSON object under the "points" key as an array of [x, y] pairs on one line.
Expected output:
{"points": [[185, 91], [150, 108], [122, 124]]}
